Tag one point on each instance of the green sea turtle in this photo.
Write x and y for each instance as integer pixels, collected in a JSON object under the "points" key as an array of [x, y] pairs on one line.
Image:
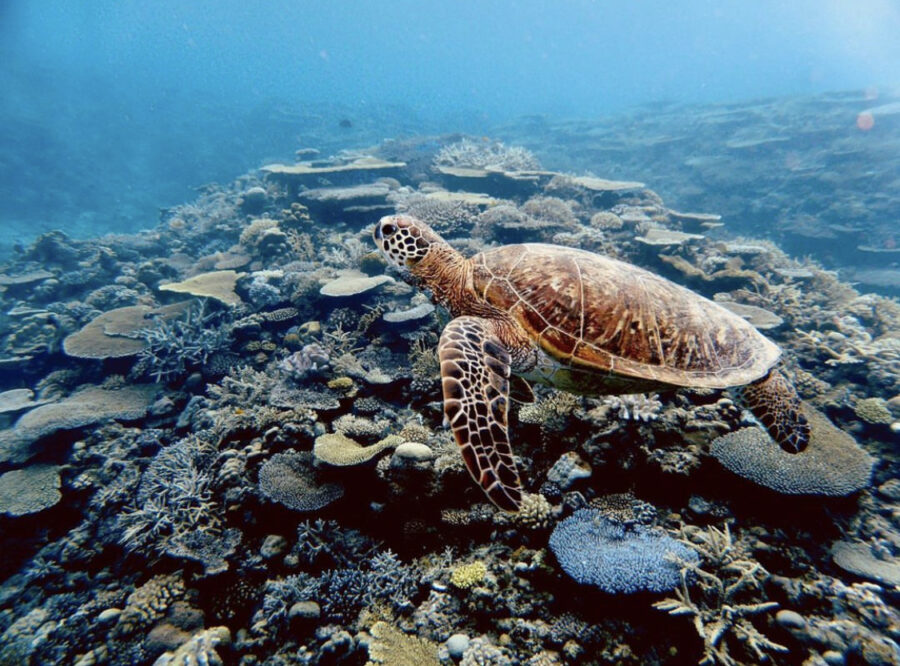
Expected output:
{"points": [[583, 323]]}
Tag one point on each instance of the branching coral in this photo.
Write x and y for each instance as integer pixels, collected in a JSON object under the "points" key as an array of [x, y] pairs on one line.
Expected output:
{"points": [[174, 501], [486, 155], [729, 585], [174, 347]]}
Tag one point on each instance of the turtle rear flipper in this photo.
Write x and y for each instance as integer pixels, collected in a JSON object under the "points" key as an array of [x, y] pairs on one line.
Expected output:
{"points": [[475, 370], [774, 401]]}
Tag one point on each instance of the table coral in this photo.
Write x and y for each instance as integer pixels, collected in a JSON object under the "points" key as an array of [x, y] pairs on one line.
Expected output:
{"points": [[29, 490], [289, 478]]}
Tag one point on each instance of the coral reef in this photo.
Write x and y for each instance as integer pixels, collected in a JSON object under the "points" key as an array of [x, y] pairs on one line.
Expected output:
{"points": [[285, 491]]}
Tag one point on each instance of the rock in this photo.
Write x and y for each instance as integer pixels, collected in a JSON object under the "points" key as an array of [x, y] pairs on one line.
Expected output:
{"points": [[834, 658], [890, 489], [272, 545], [414, 451], [457, 644], [109, 615], [790, 619], [305, 610]]}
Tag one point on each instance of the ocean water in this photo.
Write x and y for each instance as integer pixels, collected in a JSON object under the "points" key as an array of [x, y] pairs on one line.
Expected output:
{"points": [[480, 333], [112, 110]]}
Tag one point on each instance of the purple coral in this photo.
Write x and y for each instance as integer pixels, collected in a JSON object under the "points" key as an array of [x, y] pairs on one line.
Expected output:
{"points": [[312, 360]]}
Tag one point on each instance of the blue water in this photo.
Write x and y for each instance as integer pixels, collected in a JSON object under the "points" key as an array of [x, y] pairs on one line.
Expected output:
{"points": [[112, 109]]}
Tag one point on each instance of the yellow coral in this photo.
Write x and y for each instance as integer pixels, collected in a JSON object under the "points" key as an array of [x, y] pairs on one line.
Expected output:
{"points": [[389, 645], [534, 513], [466, 575], [342, 383], [874, 411]]}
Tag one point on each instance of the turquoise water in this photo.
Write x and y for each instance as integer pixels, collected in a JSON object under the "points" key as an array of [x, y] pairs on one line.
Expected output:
{"points": [[111, 110]]}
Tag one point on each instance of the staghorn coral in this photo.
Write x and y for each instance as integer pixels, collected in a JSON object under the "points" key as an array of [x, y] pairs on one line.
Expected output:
{"points": [[341, 593], [326, 539], [174, 500], [729, 590], [173, 347]]}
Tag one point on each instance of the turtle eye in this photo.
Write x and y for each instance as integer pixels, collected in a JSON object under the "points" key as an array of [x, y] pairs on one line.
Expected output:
{"points": [[388, 230]]}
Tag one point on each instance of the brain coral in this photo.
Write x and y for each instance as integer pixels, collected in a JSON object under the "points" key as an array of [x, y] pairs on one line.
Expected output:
{"points": [[833, 464], [595, 550]]}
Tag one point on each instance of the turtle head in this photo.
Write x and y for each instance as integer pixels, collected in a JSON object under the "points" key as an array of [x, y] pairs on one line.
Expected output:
{"points": [[405, 241]]}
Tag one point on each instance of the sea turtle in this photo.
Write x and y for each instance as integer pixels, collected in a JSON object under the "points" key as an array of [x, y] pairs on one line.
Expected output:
{"points": [[583, 323]]}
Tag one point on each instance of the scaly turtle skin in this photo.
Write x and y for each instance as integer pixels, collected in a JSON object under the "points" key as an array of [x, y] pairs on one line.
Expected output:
{"points": [[583, 323]]}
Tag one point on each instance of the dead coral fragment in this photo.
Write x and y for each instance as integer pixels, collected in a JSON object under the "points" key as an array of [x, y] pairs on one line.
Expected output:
{"points": [[833, 464], [289, 478], [200, 650], [392, 646]]}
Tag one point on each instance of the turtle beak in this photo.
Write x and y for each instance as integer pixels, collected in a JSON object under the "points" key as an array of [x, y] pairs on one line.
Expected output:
{"points": [[378, 235]]}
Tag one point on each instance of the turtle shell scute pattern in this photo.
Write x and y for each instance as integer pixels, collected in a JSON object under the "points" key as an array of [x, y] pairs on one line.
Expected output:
{"points": [[594, 312]]}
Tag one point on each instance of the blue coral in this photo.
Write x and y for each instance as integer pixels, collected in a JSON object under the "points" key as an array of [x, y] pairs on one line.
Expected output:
{"points": [[618, 558]]}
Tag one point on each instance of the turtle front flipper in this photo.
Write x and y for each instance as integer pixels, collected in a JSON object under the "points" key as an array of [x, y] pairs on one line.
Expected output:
{"points": [[475, 370], [774, 401]]}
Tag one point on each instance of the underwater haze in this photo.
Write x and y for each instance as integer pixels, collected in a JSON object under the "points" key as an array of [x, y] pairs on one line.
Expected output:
{"points": [[113, 109], [493, 333]]}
